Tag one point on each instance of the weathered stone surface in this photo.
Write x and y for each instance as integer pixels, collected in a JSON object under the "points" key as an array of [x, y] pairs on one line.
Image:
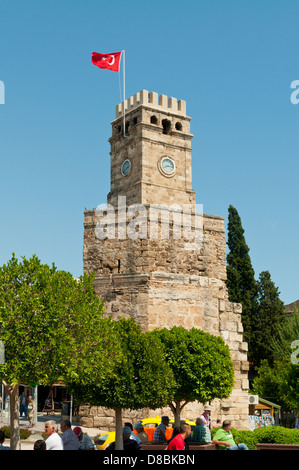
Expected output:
{"points": [[162, 282]]}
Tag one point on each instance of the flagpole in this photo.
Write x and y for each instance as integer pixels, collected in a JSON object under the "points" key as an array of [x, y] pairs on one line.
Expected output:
{"points": [[124, 91]]}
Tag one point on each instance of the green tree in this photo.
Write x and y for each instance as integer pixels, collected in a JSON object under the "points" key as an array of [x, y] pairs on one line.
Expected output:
{"points": [[280, 380], [140, 377], [201, 365], [268, 382], [269, 320], [287, 332], [241, 283], [291, 386], [49, 325], [278, 383]]}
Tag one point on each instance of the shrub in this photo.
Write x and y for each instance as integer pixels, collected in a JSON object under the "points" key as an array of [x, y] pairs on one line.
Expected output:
{"points": [[24, 433], [277, 435], [245, 437], [271, 434], [6, 430]]}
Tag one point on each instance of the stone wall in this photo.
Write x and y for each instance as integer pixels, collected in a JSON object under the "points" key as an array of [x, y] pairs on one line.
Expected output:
{"points": [[160, 284]]}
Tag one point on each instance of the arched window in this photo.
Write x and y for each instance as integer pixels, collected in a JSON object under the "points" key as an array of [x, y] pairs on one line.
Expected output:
{"points": [[166, 126]]}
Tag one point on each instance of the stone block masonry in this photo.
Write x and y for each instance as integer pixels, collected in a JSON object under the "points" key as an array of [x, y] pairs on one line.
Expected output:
{"points": [[158, 281]]}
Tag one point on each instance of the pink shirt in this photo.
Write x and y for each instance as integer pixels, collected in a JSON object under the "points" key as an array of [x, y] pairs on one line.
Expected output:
{"points": [[206, 419]]}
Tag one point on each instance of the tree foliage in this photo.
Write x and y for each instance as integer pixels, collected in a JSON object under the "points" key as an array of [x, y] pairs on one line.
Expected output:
{"points": [[287, 332], [240, 273], [139, 377], [269, 320], [279, 380], [241, 283], [201, 365], [278, 383], [49, 324], [262, 310]]}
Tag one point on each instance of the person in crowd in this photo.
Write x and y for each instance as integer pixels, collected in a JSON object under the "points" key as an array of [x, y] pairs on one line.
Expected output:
{"points": [[178, 442], [2, 439], [133, 435], [160, 431], [30, 411], [175, 432], [224, 439], [69, 438], [141, 433], [40, 444], [129, 444], [201, 433], [23, 402], [206, 416], [217, 424], [53, 441], [84, 440]]}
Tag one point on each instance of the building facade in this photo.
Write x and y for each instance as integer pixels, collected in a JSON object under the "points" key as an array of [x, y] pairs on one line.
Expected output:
{"points": [[157, 258]]}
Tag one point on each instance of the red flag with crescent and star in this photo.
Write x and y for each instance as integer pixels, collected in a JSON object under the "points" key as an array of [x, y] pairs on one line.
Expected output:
{"points": [[107, 61]]}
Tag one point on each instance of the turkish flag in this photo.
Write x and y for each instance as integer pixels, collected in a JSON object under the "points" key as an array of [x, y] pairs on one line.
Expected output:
{"points": [[107, 61]]}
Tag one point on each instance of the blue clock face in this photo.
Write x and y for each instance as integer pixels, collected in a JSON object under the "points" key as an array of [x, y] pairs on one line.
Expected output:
{"points": [[168, 165], [126, 167]]}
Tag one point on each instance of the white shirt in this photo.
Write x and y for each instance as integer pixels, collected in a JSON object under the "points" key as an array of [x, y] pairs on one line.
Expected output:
{"points": [[54, 442]]}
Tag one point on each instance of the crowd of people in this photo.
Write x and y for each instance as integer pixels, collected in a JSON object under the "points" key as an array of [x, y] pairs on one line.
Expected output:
{"points": [[183, 435], [70, 439], [75, 439]]}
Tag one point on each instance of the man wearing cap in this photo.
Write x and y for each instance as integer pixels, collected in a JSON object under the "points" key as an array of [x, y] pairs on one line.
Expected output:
{"points": [[141, 433], [160, 431], [129, 444], [206, 416], [85, 441]]}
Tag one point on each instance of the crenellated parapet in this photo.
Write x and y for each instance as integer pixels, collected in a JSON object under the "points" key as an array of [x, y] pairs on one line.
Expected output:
{"points": [[154, 100]]}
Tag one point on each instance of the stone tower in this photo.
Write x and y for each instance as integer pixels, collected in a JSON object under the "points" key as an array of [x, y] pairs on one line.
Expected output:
{"points": [[157, 258]]}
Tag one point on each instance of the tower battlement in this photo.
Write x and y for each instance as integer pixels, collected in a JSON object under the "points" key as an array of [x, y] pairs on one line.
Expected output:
{"points": [[152, 99]]}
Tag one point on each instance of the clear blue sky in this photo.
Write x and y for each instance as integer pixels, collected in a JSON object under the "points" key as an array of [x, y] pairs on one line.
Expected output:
{"points": [[232, 61]]}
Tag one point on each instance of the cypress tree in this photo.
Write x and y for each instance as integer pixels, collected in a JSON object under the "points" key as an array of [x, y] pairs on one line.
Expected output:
{"points": [[270, 320], [241, 284]]}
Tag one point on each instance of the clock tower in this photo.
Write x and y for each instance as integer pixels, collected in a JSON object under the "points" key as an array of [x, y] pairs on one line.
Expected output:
{"points": [[151, 156], [161, 281]]}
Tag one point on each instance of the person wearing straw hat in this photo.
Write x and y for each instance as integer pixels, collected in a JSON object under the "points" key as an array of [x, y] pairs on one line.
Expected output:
{"points": [[206, 416]]}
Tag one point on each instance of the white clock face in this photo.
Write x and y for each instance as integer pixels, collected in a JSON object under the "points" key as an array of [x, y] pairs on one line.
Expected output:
{"points": [[167, 165], [126, 167]]}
